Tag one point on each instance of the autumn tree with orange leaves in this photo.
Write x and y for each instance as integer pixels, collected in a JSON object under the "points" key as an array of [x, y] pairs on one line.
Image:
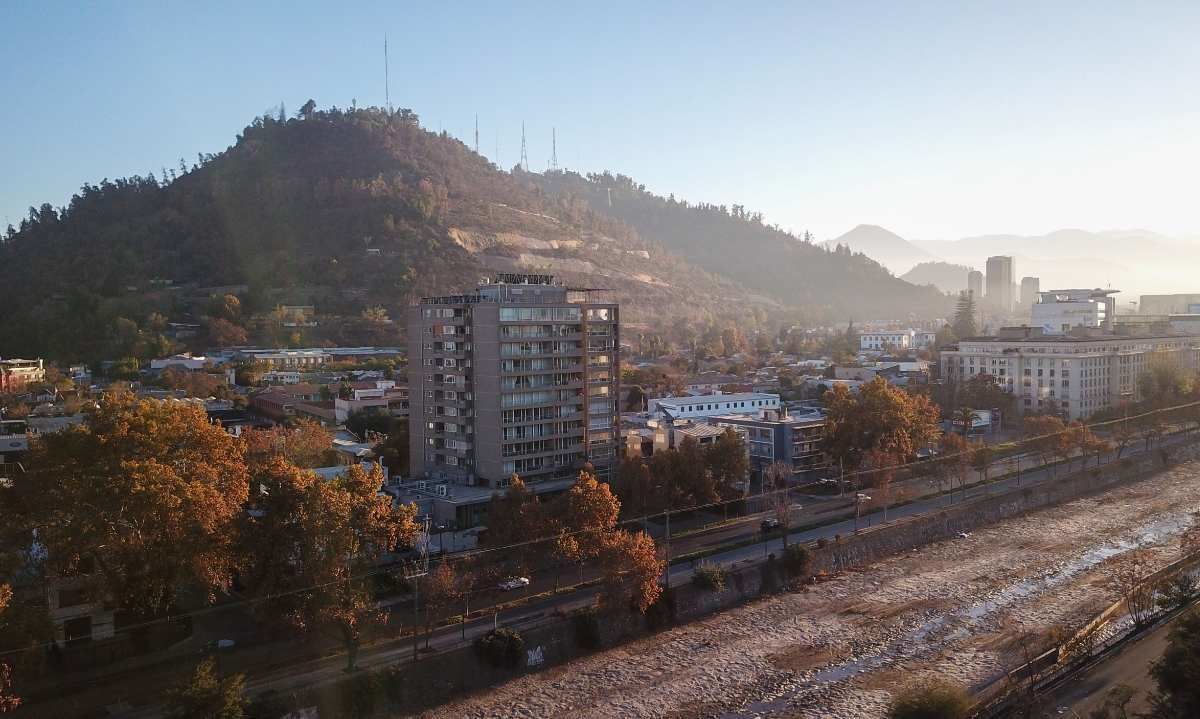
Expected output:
{"points": [[148, 493], [584, 517], [880, 420], [310, 544], [631, 569], [305, 444]]}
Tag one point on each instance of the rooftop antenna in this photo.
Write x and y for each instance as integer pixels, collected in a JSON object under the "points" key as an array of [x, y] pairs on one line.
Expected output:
{"points": [[553, 149], [387, 90], [524, 155], [477, 133]]}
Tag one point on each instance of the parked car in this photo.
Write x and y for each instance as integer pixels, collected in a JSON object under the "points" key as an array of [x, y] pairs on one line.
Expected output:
{"points": [[514, 583]]}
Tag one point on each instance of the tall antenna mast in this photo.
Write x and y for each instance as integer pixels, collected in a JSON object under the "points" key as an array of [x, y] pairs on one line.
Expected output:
{"points": [[387, 90], [524, 155], [477, 133], [553, 149]]}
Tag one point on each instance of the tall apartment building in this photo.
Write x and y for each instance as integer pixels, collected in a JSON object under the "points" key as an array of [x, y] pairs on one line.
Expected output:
{"points": [[1030, 287], [1082, 373], [975, 284], [519, 376], [1000, 273]]}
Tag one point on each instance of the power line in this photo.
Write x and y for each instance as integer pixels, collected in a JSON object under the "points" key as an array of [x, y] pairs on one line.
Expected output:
{"points": [[469, 555]]}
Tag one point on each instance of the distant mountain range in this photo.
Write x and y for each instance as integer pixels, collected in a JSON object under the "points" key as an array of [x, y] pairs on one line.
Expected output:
{"points": [[945, 276], [884, 246], [1133, 261]]}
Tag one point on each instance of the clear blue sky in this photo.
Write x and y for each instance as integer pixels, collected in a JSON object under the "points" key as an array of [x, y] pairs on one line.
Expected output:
{"points": [[937, 121]]}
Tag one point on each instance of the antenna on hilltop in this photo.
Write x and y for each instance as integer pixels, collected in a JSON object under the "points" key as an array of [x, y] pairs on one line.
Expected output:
{"points": [[477, 133], [524, 155], [553, 149], [387, 90]]}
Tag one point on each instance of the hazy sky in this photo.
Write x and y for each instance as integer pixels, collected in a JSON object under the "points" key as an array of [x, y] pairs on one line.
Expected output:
{"points": [[937, 121]]}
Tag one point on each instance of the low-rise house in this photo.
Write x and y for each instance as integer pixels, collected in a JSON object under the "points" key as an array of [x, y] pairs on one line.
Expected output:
{"points": [[183, 361], [16, 374], [323, 412], [710, 383], [278, 406], [712, 405]]}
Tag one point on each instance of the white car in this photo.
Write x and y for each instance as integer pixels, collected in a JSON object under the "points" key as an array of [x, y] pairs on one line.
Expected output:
{"points": [[514, 583]]}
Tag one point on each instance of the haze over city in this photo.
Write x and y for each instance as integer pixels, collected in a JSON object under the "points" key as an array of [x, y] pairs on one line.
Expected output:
{"points": [[599, 360]]}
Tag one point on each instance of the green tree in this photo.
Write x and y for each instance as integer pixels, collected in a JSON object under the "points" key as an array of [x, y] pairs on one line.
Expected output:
{"points": [[728, 463], [982, 456], [964, 316], [1177, 673], [206, 695]]}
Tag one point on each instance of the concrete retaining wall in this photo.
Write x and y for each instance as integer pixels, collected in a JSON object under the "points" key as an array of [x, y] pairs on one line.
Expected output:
{"points": [[438, 678]]}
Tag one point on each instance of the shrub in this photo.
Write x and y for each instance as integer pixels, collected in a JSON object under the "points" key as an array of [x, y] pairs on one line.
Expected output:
{"points": [[709, 576], [822, 543], [268, 705], [501, 648], [931, 700], [587, 629], [797, 561], [662, 612], [362, 694]]}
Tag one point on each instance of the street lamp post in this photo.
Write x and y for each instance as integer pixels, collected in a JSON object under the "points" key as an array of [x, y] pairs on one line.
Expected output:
{"points": [[859, 498]]}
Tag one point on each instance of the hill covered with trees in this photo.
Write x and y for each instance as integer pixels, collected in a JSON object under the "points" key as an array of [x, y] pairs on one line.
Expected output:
{"points": [[347, 210], [360, 211], [946, 276], [828, 283]]}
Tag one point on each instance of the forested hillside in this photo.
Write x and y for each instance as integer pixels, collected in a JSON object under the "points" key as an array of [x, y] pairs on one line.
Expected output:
{"points": [[946, 276], [830, 284], [342, 209]]}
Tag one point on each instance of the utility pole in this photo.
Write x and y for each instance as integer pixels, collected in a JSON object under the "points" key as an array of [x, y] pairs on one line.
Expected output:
{"points": [[859, 498], [667, 568]]}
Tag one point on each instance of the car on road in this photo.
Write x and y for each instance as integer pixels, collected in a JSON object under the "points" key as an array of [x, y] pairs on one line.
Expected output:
{"points": [[770, 525], [514, 583]]}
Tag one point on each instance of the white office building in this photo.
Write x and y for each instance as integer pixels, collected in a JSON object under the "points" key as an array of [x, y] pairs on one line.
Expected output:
{"points": [[1082, 374], [712, 405], [1060, 311], [880, 340]]}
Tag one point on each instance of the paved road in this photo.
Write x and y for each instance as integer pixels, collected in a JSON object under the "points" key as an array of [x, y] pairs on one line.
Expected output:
{"points": [[1084, 694], [323, 670], [318, 671]]}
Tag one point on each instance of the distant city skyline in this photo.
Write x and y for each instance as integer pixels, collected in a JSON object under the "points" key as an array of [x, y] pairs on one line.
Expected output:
{"points": [[936, 122]]}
